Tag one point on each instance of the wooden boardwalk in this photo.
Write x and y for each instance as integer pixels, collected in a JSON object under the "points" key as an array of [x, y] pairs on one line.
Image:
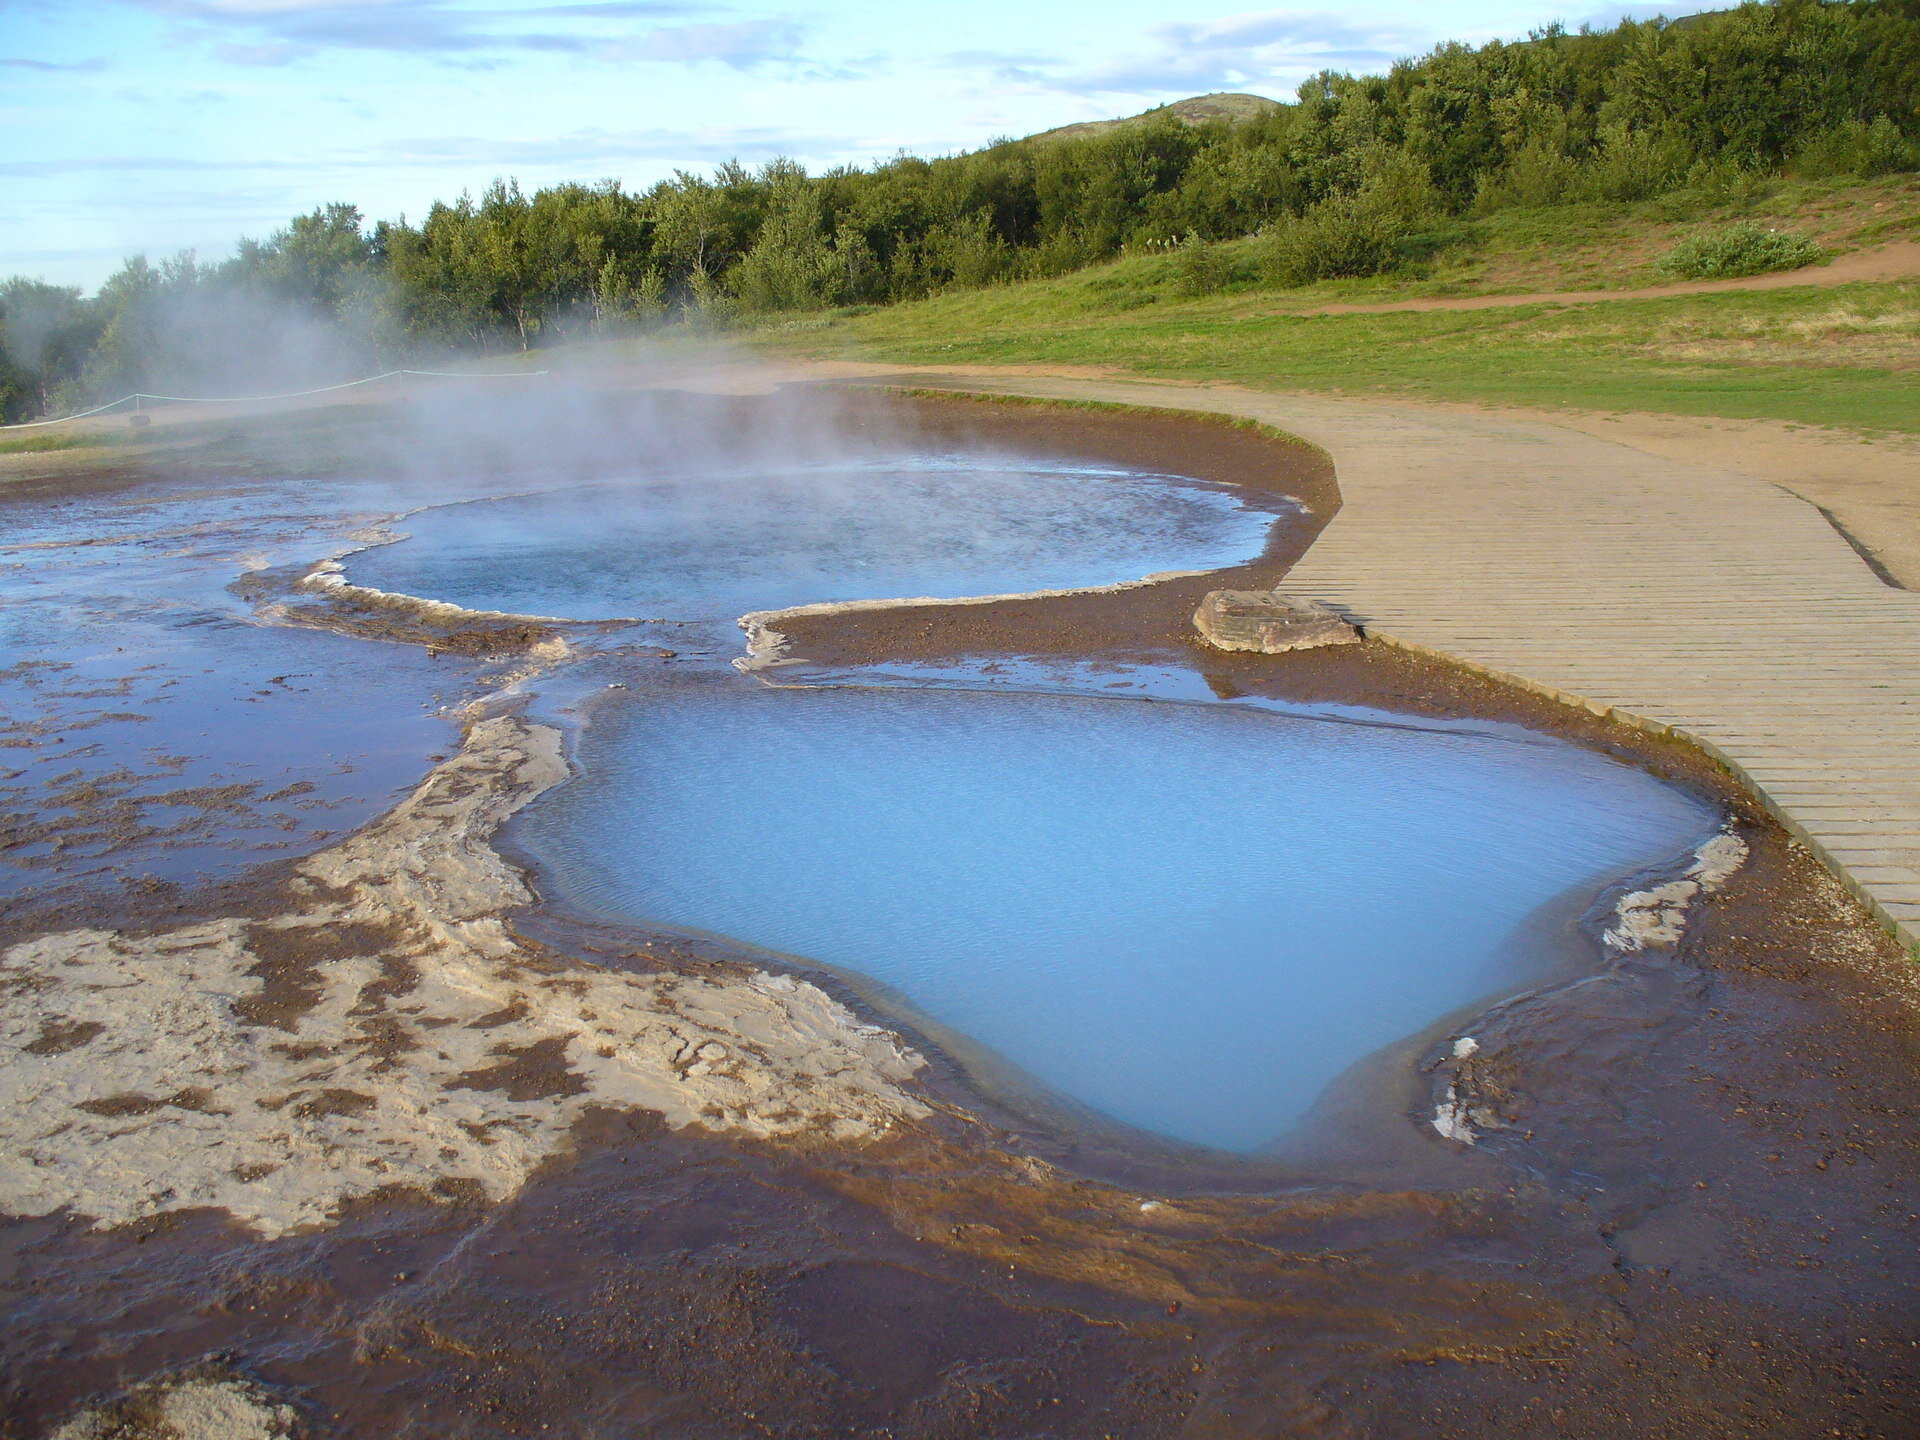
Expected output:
{"points": [[1673, 596]]}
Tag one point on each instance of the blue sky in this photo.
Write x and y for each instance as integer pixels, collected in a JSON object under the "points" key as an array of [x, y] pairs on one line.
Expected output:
{"points": [[159, 125]]}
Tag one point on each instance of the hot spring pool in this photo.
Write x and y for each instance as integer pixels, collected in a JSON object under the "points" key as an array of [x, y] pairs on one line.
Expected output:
{"points": [[1188, 916], [722, 545]]}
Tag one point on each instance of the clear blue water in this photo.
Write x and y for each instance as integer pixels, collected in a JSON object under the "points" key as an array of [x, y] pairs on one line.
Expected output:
{"points": [[1188, 916], [718, 547]]}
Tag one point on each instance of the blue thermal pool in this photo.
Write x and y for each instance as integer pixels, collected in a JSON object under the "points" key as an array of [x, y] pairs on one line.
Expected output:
{"points": [[1190, 917], [721, 545]]}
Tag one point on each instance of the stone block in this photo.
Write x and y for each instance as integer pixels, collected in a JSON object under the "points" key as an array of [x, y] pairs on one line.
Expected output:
{"points": [[1269, 623]]}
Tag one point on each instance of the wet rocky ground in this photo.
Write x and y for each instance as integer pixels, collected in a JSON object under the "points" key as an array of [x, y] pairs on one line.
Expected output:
{"points": [[1692, 1208]]}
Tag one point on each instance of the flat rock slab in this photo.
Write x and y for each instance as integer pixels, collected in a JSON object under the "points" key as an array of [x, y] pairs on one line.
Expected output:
{"points": [[1269, 623]]}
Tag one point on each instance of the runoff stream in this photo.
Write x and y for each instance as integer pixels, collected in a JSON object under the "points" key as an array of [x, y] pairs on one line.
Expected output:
{"points": [[1185, 914]]}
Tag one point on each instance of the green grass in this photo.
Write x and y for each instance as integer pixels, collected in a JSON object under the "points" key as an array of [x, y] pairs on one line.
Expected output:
{"points": [[1845, 356], [1587, 246], [1607, 246], [37, 444]]}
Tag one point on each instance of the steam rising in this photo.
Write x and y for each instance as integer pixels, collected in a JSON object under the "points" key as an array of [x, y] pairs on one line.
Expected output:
{"points": [[602, 495]]}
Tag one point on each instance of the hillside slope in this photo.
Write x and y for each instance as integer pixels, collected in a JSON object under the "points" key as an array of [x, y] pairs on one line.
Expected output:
{"points": [[1232, 106], [1557, 308]]}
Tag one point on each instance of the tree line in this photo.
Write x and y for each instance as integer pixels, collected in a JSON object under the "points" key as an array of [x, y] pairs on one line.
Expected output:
{"points": [[1356, 176]]}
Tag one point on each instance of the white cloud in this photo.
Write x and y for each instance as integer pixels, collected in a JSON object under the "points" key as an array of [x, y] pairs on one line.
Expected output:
{"points": [[1257, 49], [272, 32], [740, 46], [63, 67], [577, 150]]}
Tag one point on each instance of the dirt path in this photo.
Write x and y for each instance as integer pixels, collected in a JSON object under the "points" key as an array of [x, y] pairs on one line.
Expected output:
{"points": [[1899, 260]]}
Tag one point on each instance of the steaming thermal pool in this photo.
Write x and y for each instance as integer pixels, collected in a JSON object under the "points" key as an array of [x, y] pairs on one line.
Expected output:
{"points": [[1188, 916], [719, 545]]}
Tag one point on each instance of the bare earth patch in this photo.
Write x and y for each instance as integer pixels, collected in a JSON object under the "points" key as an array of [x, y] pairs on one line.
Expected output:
{"points": [[390, 1030]]}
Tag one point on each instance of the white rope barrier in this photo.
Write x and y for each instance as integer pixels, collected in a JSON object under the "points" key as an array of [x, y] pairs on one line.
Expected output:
{"points": [[284, 395]]}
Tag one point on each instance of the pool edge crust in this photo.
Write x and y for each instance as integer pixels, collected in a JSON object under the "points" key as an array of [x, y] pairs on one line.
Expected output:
{"points": [[384, 1029], [767, 647], [1266, 622]]}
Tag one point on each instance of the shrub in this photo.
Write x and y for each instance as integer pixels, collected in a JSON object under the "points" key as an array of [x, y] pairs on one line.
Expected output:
{"points": [[1395, 219], [1743, 249], [1857, 150], [1721, 183], [1538, 174], [1345, 238], [1634, 165], [1414, 247], [1338, 238], [1200, 268]]}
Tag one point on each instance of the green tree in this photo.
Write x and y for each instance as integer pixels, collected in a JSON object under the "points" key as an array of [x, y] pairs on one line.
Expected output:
{"points": [[792, 265], [46, 335]]}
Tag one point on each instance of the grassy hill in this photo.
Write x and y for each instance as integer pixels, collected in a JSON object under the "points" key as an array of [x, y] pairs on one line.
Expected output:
{"points": [[1227, 105], [1813, 353]]}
